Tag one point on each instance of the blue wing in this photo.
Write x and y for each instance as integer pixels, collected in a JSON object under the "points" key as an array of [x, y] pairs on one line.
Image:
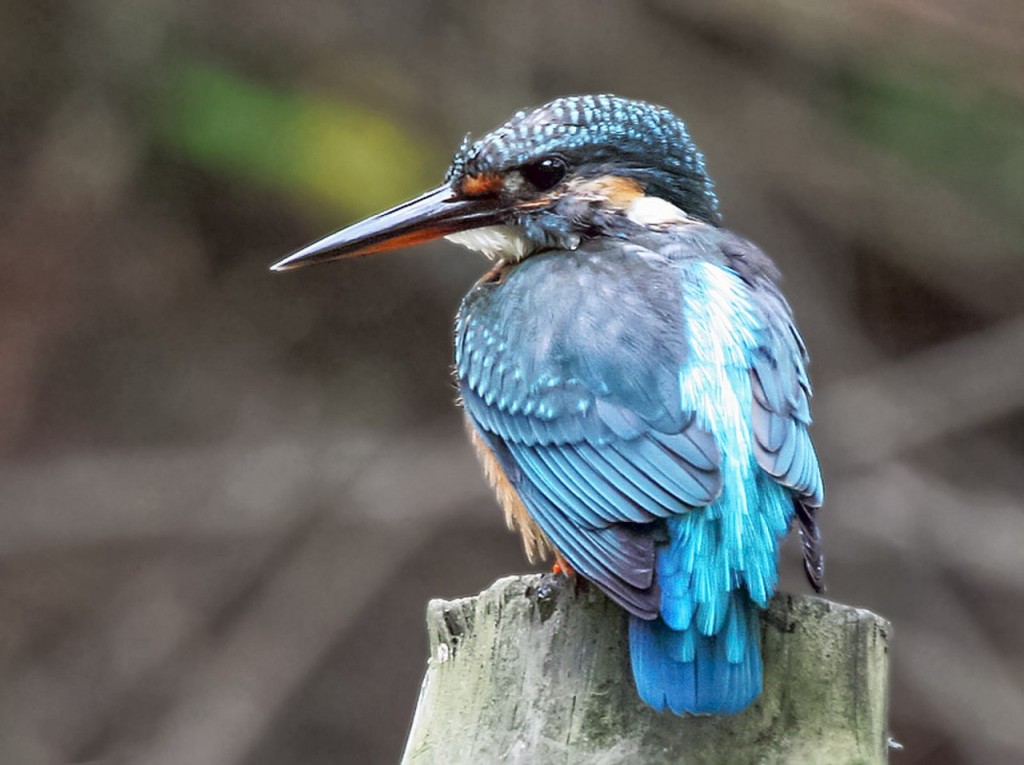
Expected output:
{"points": [[569, 369], [597, 501], [650, 407], [582, 407]]}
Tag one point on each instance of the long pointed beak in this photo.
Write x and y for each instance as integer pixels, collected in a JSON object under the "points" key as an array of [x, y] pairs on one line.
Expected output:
{"points": [[435, 214]]}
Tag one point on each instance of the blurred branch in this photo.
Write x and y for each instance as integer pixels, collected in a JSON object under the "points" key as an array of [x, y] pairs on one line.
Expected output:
{"points": [[786, 67], [236, 487], [229, 695], [289, 596], [982, 36], [152, 621], [898, 511], [870, 419], [935, 528]]}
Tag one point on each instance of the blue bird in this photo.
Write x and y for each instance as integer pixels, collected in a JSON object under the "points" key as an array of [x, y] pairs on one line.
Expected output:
{"points": [[632, 379]]}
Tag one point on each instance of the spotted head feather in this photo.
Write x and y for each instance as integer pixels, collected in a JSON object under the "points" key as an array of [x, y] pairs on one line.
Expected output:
{"points": [[600, 134]]}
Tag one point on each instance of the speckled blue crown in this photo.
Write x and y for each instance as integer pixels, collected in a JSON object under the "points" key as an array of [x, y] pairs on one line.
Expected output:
{"points": [[633, 137]]}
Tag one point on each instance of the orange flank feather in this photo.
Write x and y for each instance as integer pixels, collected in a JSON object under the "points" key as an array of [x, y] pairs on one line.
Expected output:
{"points": [[535, 541]]}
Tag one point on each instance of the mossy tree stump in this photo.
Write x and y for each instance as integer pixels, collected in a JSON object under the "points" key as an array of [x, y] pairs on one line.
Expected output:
{"points": [[530, 671]]}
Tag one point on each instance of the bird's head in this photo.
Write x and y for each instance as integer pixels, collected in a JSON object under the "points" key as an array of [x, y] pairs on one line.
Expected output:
{"points": [[577, 167]]}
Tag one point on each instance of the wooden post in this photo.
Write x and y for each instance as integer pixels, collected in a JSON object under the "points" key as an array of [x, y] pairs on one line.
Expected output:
{"points": [[529, 671]]}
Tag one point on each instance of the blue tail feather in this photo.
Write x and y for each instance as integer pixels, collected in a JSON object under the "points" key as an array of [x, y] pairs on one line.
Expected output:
{"points": [[690, 673]]}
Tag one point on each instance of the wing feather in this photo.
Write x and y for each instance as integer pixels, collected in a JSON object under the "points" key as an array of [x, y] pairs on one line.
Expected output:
{"points": [[780, 418]]}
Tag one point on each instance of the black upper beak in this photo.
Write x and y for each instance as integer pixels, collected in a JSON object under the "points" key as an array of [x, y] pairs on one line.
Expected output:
{"points": [[435, 214]]}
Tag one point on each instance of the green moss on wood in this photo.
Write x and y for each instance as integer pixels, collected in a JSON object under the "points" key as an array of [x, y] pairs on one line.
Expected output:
{"points": [[531, 671]]}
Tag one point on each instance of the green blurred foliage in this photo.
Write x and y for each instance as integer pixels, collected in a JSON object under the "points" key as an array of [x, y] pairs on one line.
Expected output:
{"points": [[331, 150], [966, 133]]}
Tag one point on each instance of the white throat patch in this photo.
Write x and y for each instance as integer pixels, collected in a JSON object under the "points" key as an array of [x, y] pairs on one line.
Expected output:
{"points": [[505, 242]]}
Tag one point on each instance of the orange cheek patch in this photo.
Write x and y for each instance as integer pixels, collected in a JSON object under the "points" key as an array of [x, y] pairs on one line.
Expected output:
{"points": [[620, 192], [478, 185], [613, 191]]}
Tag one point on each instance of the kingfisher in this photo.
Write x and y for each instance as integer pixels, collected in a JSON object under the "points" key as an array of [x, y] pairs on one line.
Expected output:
{"points": [[632, 380]]}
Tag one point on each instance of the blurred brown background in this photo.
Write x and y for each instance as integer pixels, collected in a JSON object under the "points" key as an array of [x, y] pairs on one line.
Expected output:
{"points": [[228, 494]]}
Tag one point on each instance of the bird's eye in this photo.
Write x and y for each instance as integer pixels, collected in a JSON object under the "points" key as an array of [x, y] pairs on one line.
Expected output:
{"points": [[545, 173]]}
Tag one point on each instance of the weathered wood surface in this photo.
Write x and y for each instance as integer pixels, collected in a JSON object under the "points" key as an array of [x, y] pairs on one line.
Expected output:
{"points": [[530, 671]]}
